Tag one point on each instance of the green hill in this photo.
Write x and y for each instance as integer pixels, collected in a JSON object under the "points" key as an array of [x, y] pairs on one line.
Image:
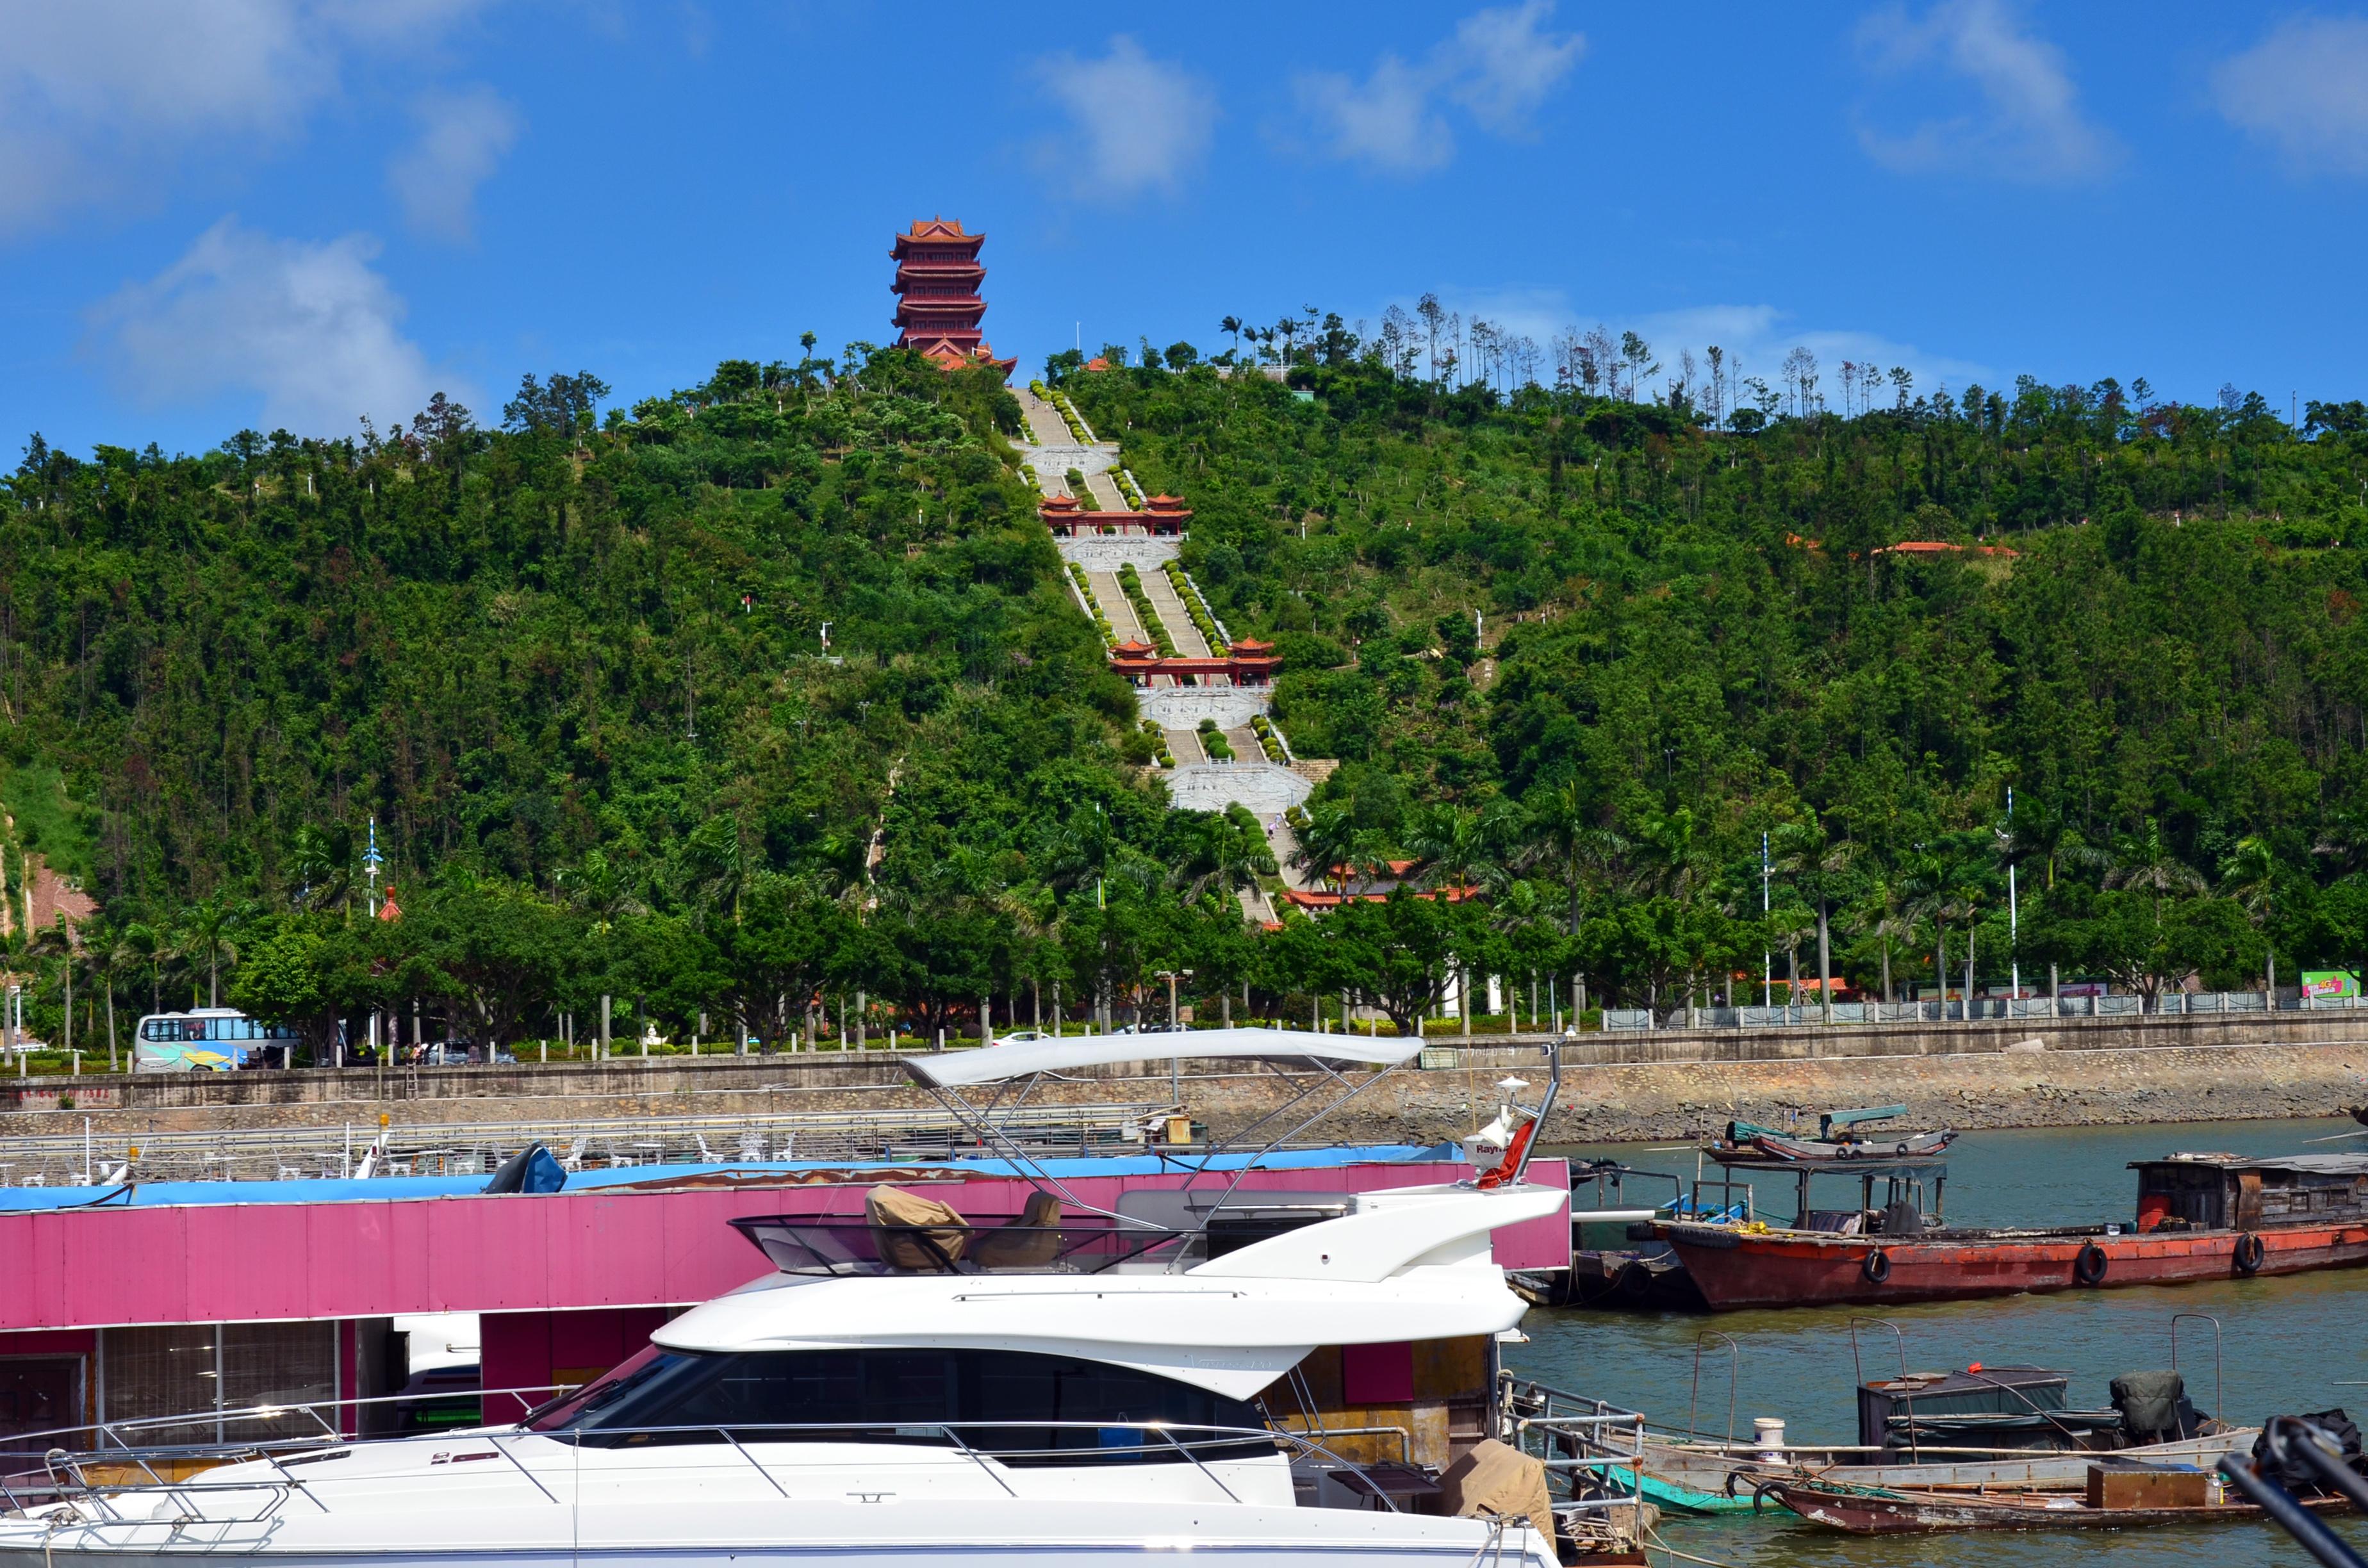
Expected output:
{"points": [[574, 669]]}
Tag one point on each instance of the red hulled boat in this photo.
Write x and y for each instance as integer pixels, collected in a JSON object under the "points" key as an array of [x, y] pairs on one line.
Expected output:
{"points": [[2199, 1217]]}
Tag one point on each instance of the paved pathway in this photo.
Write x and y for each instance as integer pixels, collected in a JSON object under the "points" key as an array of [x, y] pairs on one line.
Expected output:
{"points": [[1044, 420], [1113, 597], [1172, 615], [1197, 783]]}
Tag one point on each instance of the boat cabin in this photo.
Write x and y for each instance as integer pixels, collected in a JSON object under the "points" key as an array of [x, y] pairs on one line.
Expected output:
{"points": [[1994, 1407], [1908, 1200], [1419, 1403], [2229, 1192]]}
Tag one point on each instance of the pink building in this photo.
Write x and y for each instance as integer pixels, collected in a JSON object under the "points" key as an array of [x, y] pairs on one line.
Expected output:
{"points": [[189, 1296]]}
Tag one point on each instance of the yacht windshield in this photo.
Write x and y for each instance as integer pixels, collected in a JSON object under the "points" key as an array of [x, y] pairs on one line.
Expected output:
{"points": [[602, 1391], [1020, 1406]]}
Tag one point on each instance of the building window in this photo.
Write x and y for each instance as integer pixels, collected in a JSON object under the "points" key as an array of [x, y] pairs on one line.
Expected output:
{"points": [[202, 1371]]}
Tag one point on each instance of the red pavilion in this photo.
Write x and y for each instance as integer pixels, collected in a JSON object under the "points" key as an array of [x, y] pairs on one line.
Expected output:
{"points": [[938, 279]]}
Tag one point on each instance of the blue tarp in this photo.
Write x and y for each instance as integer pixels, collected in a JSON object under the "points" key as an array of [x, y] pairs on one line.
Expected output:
{"points": [[332, 1189]]}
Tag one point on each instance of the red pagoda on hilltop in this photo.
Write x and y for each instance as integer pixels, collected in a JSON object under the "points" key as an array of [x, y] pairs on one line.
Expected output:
{"points": [[938, 279]]}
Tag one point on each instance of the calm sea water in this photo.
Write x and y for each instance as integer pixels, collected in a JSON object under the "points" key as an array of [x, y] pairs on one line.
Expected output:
{"points": [[2284, 1346]]}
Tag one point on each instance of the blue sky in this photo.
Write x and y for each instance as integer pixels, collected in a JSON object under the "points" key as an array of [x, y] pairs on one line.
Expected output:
{"points": [[297, 211]]}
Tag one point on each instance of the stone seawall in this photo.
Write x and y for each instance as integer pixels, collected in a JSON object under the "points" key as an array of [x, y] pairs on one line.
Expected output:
{"points": [[1669, 1083]]}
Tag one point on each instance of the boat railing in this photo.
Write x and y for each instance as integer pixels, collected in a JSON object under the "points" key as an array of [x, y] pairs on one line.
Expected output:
{"points": [[1734, 1379], [97, 1476], [1595, 1451], [1724, 1208], [2219, 1381]]}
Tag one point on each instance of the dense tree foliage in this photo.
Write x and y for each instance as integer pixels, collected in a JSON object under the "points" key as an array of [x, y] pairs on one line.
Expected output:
{"points": [[766, 698], [1621, 644]]}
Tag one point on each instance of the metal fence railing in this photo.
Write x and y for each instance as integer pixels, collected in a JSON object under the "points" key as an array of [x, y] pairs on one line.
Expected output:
{"points": [[477, 1148], [2167, 1004], [116, 1472]]}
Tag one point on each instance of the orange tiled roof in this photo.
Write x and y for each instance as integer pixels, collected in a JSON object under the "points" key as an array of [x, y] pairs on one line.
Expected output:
{"points": [[1939, 547]]}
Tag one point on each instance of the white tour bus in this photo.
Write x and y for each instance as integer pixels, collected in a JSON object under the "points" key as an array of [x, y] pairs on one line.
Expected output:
{"points": [[208, 1039]]}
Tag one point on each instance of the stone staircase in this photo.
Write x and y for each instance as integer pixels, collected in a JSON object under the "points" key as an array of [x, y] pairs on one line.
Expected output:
{"points": [[1197, 783]]}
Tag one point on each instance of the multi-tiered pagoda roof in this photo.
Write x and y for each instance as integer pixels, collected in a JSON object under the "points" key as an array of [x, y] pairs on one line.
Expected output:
{"points": [[938, 306]]}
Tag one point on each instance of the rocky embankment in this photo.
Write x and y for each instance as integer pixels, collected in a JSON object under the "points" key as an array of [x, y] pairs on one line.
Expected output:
{"points": [[2069, 1088]]}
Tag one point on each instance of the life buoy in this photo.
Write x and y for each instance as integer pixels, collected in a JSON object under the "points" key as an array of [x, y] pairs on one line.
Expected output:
{"points": [[2089, 1264], [1876, 1267], [2249, 1253]]}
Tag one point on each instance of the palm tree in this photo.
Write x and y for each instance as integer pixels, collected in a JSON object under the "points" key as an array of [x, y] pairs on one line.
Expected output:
{"points": [[1033, 911], [207, 933], [1226, 857], [1886, 913], [2040, 834], [1927, 879], [1558, 829], [1453, 845], [56, 940], [2252, 875], [1675, 861], [599, 890], [321, 877], [2145, 862], [1328, 845], [716, 864], [1232, 324], [138, 944], [1813, 862]]}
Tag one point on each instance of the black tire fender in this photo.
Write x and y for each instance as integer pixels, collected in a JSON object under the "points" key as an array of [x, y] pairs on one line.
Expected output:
{"points": [[1875, 1266], [2089, 1264], [1759, 1495], [2251, 1254]]}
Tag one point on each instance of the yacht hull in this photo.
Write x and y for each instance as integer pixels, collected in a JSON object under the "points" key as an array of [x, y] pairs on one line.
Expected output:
{"points": [[885, 1534]]}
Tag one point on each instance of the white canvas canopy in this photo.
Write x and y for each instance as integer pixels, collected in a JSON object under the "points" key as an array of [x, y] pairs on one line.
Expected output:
{"points": [[1001, 1063]]}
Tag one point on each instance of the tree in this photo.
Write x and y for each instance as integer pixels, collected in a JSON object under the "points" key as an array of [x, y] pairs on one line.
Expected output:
{"points": [[1398, 950], [2150, 943], [302, 971], [1561, 831], [2255, 876], [207, 934], [2145, 863], [1816, 866], [499, 949]]}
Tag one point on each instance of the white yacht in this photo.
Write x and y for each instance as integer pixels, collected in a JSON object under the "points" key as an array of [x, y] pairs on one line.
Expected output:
{"points": [[915, 1384]]}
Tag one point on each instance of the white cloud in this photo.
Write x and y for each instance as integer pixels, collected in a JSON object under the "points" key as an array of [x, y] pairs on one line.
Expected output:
{"points": [[462, 138], [98, 96], [1141, 124], [2027, 123], [1500, 66], [1385, 120], [309, 328], [1503, 67], [2304, 87]]}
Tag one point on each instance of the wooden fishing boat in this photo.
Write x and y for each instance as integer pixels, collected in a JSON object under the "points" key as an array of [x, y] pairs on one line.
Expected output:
{"points": [[2199, 1217], [1870, 1510], [1842, 1135]]}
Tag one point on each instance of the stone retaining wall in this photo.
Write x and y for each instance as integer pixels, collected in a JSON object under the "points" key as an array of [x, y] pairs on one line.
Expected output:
{"points": [[1665, 1085]]}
